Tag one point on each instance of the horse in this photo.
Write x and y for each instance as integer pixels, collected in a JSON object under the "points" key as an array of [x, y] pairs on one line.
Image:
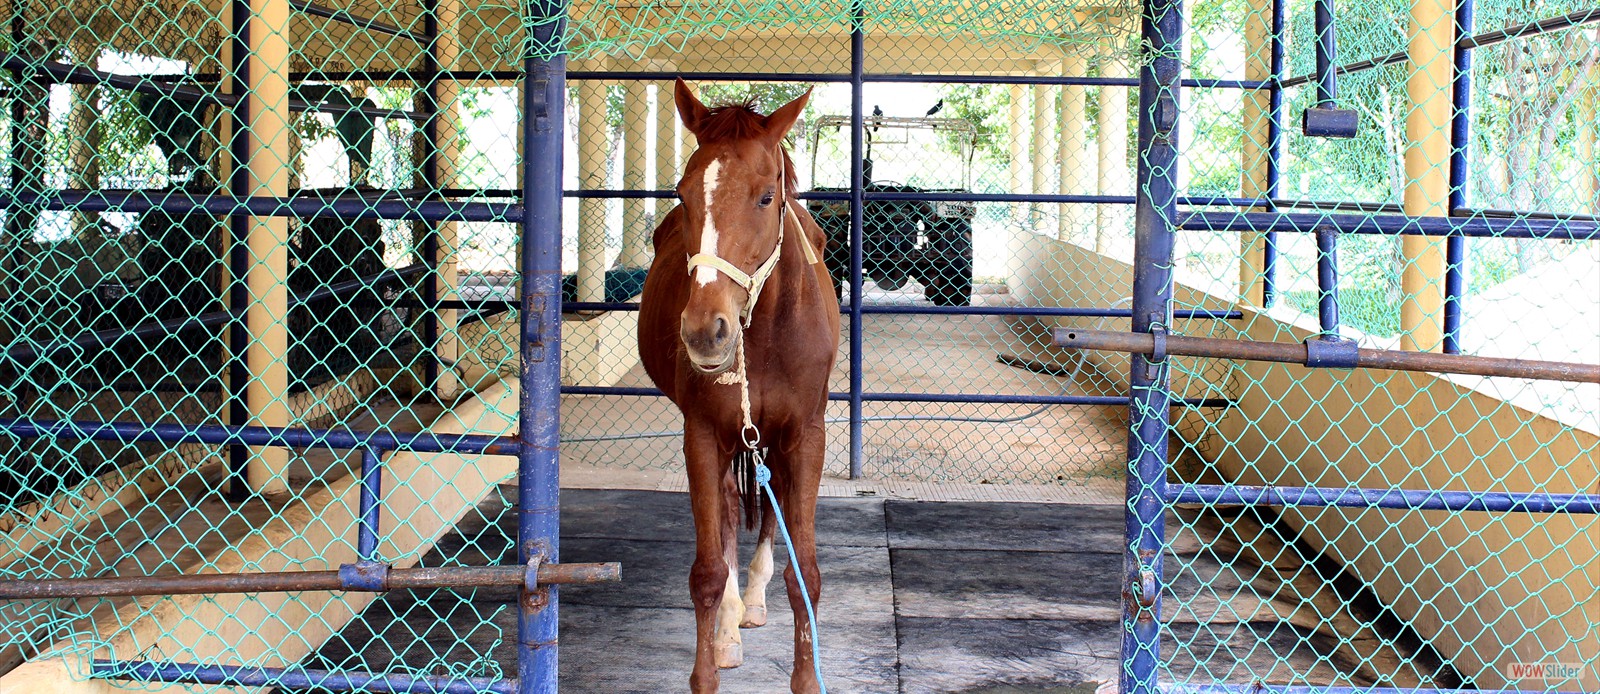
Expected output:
{"points": [[742, 338]]}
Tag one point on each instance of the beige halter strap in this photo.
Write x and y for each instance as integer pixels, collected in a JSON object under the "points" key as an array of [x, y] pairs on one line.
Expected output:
{"points": [[753, 282]]}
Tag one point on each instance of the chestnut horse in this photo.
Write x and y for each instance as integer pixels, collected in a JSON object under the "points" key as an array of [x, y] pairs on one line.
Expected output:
{"points": [[743, 338]]}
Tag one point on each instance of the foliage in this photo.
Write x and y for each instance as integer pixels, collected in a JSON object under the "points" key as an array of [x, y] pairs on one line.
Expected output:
{"points": [[987, 108]]}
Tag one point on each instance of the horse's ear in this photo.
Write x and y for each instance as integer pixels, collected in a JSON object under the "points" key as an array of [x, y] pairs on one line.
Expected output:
{"points": [[781, 120], [689, 108]]}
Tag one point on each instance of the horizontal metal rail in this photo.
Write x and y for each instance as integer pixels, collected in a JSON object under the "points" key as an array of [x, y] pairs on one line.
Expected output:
{"points": [[263, 206], [1264, 688], [1543, 26], [957, 398], [906, 309], [284, 437], [297, 678], [349, 578], [1293, 353], [65, 73], [388, 276], [111, 337], [1419, 499], [1358, 66], [1489, 227], [346, 17]]}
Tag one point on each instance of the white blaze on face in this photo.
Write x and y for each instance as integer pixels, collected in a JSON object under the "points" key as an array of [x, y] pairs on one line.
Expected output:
{"points": [[705, 274]]}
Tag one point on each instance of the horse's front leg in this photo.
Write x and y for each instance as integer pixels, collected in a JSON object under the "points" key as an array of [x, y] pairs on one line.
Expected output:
{"points": [[729, 643], [708, 577], [803, 468], [755, 594]]}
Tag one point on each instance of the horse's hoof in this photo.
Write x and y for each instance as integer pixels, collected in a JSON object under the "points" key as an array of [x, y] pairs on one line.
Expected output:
{"points": [[730, 655], [754, 616]]}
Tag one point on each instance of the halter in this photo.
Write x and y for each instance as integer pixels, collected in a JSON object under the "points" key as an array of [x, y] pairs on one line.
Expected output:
{"points": [[753, 282]]}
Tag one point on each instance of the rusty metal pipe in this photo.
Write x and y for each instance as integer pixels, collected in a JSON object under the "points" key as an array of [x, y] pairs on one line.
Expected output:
{"points": [[292, 581], [1292, 353]]}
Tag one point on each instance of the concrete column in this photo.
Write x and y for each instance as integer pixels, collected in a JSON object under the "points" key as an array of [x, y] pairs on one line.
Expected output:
{"points": [[667, 170], [1112, 144], [1073, 158], [267, 316], [1017, 148], [83, 131], [1431, 35], [1044, 144], [636, 128], [592, 149], [1257, 143], [451, 139]]}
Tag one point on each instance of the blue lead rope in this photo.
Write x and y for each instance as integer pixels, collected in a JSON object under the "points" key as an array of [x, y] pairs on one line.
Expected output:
{"points": [[764, 478]]}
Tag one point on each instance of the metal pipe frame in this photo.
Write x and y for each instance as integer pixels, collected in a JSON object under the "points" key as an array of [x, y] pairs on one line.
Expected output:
{"points": [[283, 437], [904, 309], [966, 398], [1352, 497], [539, 394], [63, 73], [237, 366], [1150, 397], [1292, 353], [430, 177], [858, 184], [347, 17], [1392, 225], [1455, 250], [298, 678], [1269, 251], [365, 576], [1328, 281], [264, 205]]}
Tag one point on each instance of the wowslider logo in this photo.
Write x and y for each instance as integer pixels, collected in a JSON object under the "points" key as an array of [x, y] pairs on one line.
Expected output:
{"points": [[1544, 671]]}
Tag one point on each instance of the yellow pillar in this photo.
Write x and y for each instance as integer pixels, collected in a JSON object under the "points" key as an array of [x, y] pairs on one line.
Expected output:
{"points": [[450, 141], [1589, 129], [1257, 143], [83, 131], [636, 126], [1431, 35], [592, 142], [267, 316], [1017, 148], [1112, 144], [666, 148], [1044, 115], [1072, 159]]}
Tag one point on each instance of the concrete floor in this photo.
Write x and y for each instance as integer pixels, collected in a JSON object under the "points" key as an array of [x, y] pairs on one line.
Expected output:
{"points": [[918, 597]]}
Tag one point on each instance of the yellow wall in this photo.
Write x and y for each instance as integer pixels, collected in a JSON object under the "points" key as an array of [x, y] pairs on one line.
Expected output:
{"points": [[1487, 590]]}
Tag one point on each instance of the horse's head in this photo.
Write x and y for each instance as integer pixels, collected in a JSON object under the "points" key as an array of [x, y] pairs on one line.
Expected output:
{"points": [[734, 190]]}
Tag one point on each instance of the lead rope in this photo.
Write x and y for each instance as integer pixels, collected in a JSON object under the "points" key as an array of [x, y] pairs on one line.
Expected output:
{"points": [[752, 437]]}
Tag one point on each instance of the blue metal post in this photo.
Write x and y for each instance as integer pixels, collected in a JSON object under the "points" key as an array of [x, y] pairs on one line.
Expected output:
{"points": [[371, 492], [238, 253], [1327, 79], [1455, 249], [430, 177], [1328, 281], [539, 406], [1269, 254], [858, 185], [1155, 219]]}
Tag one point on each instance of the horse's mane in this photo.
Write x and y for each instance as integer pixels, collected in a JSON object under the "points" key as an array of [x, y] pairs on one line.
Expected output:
{"points": [[741, 121]]}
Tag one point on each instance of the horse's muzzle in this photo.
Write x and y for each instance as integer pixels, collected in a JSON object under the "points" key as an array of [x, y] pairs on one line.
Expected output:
{"points": [[712, 346]]}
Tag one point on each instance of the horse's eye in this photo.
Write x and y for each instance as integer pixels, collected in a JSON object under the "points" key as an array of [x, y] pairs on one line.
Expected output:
{"points": [[766, 199]]}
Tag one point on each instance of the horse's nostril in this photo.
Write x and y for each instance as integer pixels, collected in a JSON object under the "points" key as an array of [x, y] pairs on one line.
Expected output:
{"points": [[722, 330]]}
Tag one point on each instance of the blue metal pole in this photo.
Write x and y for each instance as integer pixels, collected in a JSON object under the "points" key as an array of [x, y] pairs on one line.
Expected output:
{"points": [[1155, 221], [1327, 80], [539, 406], [430, 177], [371, 491], [239, 254], [1455, 249], [1328, 281], [858, 184], [1269, 254]]}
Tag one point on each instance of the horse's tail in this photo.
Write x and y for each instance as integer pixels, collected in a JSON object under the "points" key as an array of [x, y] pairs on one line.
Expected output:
{"points": [[750, 497]]}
